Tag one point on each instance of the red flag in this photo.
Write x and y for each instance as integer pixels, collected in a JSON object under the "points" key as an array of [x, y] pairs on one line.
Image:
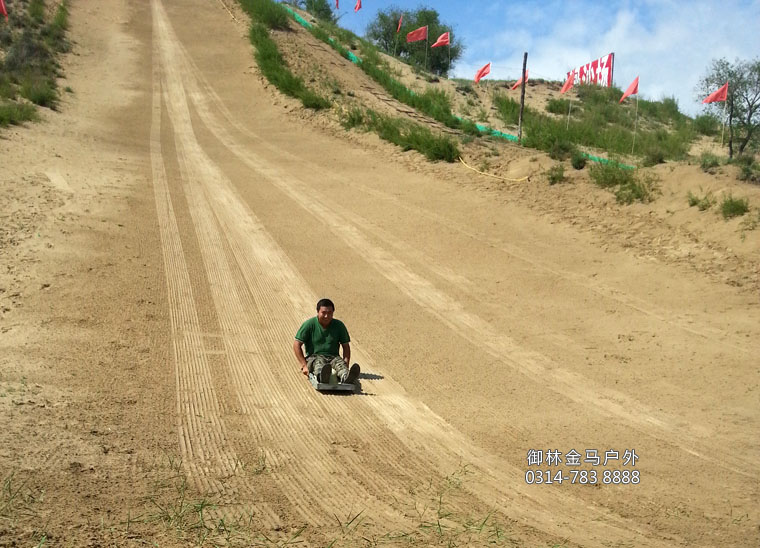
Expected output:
{"points": [[482, 72], [633, 89], [358, 5], [443, 40], [399, 23], [336, 5], [2, 9], [721, 94], [569, 83], [520, 80], [417, 35]]}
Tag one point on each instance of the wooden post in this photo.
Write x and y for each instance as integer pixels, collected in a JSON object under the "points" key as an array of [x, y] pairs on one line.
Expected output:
{"points": [[522, 99]]}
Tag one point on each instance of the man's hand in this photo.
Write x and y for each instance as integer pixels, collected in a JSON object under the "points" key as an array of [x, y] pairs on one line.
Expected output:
{"points": [[305, 369]]}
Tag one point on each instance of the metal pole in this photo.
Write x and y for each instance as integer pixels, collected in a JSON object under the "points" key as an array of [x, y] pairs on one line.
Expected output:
{"points": [[569, 106], [522, 99]]}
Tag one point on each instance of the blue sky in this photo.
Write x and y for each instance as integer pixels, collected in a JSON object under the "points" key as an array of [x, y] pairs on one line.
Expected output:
{"points": [[668, 44]]}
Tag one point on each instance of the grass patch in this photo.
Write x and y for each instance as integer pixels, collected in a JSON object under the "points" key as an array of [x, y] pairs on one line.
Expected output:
{"points": [[507, 109], [628, 185], [643, 188], [708, 161], [558, 106], [16, 113], [556, 174], [732, 207], [55, 33], [270, 14], [39, 90], [407, 135], [36, 11], [703, 203], [273, 67]]}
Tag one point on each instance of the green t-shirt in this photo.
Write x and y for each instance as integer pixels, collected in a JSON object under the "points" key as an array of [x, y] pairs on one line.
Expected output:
{"points": [[322, 341]]}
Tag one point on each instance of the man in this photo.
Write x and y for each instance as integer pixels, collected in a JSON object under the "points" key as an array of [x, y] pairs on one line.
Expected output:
{"points": [[321, 335]]}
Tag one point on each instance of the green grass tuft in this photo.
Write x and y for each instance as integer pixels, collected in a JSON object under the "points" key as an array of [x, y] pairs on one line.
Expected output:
{"points": [[708, 161], [578, 159], [271, 14], [40, 91], [15, 113], [733, 207], [702, 203], [556, 174]]}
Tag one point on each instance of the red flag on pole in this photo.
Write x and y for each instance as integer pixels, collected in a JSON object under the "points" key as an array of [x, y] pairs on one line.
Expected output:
{"points": [[399, 24], [443, 40], [569, 83], [482, 72], [520, 80], [2, 9], [721, 94], [358, 5], [417, 35], [336, 5], [633, 89]]}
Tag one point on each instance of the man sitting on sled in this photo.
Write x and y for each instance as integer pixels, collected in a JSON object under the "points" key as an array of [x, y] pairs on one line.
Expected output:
{"points": [[321, 335]]}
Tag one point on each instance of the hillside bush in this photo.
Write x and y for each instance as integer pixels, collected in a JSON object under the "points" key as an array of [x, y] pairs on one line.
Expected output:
{"points": [[708, 161], [732, 207], [15, 113], [578, 159], [557, 106], [556, 174]]}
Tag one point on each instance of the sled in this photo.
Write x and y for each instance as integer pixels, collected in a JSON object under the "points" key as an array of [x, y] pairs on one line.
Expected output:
{"points": [[333, 385]]}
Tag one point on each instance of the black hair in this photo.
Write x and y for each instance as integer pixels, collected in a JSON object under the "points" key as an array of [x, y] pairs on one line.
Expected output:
{"points": [[326, 303]]}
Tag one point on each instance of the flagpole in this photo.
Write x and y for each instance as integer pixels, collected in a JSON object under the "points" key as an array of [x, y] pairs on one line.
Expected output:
{"points": [[569, 106], [448, 68], [635, 123], [426, 48], [723, 124]]}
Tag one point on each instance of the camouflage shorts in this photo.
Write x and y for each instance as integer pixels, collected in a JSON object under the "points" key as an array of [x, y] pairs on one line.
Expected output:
{"points": [[318, 361]]}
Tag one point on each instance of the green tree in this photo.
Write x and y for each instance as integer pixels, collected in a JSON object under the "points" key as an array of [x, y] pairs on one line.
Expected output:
{"points": [[742, 102], [382, 32]]}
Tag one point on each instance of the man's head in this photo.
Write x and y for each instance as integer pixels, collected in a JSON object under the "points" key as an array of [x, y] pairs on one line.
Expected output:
{"points": [[325, 310]]}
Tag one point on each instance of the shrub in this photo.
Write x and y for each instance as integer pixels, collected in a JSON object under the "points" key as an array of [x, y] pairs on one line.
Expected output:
{"points": [[561, 150], [28, 54], [556, 174], [578, 159], [641, 188], [733, 207], [608, 175], [557, 106], [709, 161], [653, 156]]}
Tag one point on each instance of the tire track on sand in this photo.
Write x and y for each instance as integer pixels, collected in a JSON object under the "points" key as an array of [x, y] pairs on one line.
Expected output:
{"points": [[202, 434]]}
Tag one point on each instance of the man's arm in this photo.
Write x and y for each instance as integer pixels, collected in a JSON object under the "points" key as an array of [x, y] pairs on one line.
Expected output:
{"points": [[346, 353], [298, 351]]}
